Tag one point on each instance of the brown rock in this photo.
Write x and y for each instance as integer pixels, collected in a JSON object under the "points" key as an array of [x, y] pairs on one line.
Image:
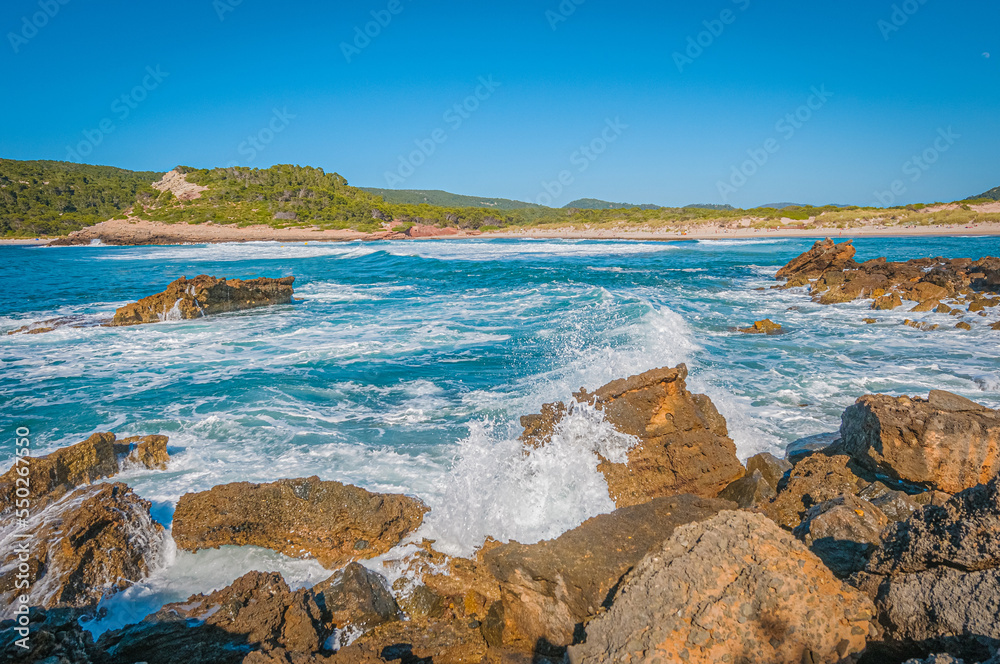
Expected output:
{"points": [[684, 445], [925, 292], [886, 302], [203, 296], [943, 309], [304, 518], [734, 588], [771, 467], [945, 442], [927, 305], [963, 326], [749, 491], [766, 326], [842, 532], [870, 321], [356, 597], [549, 589], [816, 479], [92, 543], [824, 256], [430, 231], [148, 451], [921, 325]]}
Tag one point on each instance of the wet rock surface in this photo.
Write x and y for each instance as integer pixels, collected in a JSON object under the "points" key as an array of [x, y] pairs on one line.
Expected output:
{"points": [[304, 518], [734, 588]]}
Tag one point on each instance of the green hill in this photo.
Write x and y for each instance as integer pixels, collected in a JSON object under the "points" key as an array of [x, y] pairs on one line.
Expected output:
{"points": [[445, 199], [992, 194], [57, 197], [597, 204], [711, 206]]}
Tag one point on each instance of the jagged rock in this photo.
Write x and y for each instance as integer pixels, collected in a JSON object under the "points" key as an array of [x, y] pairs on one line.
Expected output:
{"points": [[896, 505], [923, 326], [258, 612], [963, 326], [814, 480], [945, 442], [935, 579], [549, 589], [823, 257], [943, 309], [356, 597], [303, 518], [749, 491], [771, 467], [52, 476], [684, 445], [842, 532], [734, 588], [438, 642], [203, 296], [927, 305], [887, 302], [926, 292], [94, 542], [55, 637], [766, 326]]}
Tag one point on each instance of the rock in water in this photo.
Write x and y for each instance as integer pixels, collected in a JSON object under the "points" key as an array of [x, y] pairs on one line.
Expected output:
{"points": [[357, 597], [92, 543], [258, 613], [203, 296], [684, 443], [823, 257], [549, 589], [98, 457], [303, 518], [766, 326], [936, 578], [734, 588], [944, 442]]}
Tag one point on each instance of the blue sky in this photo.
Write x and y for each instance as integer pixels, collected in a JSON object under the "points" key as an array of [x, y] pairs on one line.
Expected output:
{"points": [[580, 100]]}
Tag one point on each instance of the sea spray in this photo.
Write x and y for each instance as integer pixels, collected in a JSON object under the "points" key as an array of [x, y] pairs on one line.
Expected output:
{"points": [[501, 488]]}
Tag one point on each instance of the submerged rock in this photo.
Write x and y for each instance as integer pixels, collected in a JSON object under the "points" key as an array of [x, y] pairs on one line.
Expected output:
{"points": [[551, 588], [945, 442], [204, 296], [734, 588], [303, 518], [684, 445], [94, 542], [766, 326]]}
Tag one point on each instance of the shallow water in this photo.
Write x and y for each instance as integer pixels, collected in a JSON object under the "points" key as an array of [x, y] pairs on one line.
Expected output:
{"points": [[405, 367]]}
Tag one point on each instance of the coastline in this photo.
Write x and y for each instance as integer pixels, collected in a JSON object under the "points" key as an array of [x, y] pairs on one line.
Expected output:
{"points": [[136, 232]]}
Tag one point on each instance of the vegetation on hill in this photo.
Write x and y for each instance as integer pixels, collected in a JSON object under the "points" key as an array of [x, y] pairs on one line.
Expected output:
{"points": [[597, 204], [993, 194], [445, 199], [57, 197]]}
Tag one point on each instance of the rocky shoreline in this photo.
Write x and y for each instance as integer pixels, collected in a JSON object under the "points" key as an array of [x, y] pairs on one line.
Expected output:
{"points": [[880, 547]]}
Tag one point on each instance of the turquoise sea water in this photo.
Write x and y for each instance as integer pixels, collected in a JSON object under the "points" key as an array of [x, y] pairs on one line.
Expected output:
{"points": [[405, 367]]}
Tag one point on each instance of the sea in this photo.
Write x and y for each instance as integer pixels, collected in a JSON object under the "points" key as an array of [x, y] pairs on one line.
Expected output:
{"points": [[405, 367]]}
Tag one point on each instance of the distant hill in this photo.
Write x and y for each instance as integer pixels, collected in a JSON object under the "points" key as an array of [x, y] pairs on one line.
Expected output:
{"points": [[710, 206], [781, 206], [445, 199], [993, 194], [597, 204]]}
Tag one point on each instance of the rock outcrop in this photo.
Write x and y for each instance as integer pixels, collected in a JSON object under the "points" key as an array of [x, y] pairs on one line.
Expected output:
{"points": [[842, 532], [815, 479], [93, 542], [823, 257], [55, 637], [303, 518], [99, 457], [766, 326], [734, 588], [203, 296], [356, 598], [945, 442], [684, 445], [258, 614], [935, 579], [551, 588]]}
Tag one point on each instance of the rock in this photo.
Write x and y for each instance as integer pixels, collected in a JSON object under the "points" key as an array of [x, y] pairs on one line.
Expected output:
{"points": [[55, 638], [684, 445], [926, 292], [935, 579], [734, 588], [52, 476], [896, 505], [943, 309], [749, 491], [439, 642], [927, 305], [549, 589], [766, 326], [203, 296], [258, 612], [430, 231], [887, 302], [945, 442], [870, 321], [823, 257], [94, 542], [771, 467], [303, 518], [921, 325], [963, 326], [814, 480], [358, 598], [842, 532]]}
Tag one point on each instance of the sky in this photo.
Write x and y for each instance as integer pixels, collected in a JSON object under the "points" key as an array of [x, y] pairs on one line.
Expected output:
{"points": [[744, 102]]}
